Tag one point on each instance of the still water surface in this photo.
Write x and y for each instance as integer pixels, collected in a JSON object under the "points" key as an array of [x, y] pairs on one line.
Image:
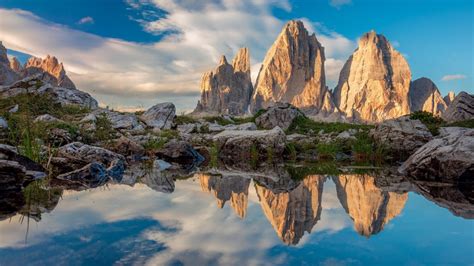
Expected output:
{"points": [[235, 220]]}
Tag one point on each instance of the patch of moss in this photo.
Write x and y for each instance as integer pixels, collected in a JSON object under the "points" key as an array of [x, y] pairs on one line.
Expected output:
{"points": [[466, 123], [184, 119], [433, 123]]}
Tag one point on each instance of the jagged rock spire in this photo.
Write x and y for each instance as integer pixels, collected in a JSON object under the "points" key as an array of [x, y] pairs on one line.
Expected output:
{"points": [[53, 71], [374, 82], [227, 89], [293, 72]]}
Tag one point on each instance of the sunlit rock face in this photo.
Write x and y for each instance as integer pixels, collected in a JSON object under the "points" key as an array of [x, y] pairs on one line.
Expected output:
{"points": [[229, 188], [227, 89], [425, 96], [51, 71], [7, 75], [374, 82], [293, 72], [369, 206], [448, 99], [294, 212]]}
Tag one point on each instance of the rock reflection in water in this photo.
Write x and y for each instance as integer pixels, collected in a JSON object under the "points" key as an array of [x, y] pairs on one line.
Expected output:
{"points": [[370, 207], [293, 212], [233, 188]]}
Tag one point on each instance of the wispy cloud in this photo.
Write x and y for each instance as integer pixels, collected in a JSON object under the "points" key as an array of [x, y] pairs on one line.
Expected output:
{"points": [[85, 20], [339, 3], [453, 77]]}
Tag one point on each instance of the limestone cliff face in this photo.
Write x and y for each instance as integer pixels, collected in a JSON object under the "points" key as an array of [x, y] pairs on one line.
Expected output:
{"points": [[293, 72], [425, 96], [15, 65], [51, 70], [369, 206], [374, 83], [295, 212], [230, 188], [461, 108], [7, 75], [228, 89]]}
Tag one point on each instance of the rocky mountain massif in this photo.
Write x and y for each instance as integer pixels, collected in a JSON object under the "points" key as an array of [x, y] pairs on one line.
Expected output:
{"points": [[374, 84]]}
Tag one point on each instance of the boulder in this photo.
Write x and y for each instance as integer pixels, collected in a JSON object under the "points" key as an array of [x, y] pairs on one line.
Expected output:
{"points": [[160, 116], [238, 144], [16, 164], [126, 146], [461, 108], [3, 123], [46, 118], [180, 152], [119, 121], [64, 96], [76, 155], [95, 174], [449, 157], [280, 115], [401, 135]]}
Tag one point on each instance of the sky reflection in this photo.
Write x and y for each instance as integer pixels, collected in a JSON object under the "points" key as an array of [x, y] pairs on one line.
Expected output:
{"points": [[124, 224]]}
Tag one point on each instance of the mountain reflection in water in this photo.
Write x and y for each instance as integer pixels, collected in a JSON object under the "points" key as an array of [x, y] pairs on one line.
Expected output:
{"points": [[293, 206]]}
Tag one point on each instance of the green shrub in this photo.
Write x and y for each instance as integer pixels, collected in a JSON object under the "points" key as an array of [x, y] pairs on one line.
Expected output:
{"points": [[466, 123], [104, 130], [433, 123], [328, 150]]}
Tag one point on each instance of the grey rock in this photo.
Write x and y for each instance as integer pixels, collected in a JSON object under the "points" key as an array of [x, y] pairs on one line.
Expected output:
{"points": [[180, 152], [401, 134], [425, 96], [462, 108], [14, 109], [160, 116], [3, 123], [120, 121], [47, 119], [449, 157], [237, 144], [281, 115], [78, 154]]}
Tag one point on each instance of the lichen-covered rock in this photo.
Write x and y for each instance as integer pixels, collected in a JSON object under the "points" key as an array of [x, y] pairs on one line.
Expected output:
{"points": [[449, 157], [401, 135], [281, 115], [126, 146], [160, 116], [228, 89], [425, 96], [374, 82], [119, 121], [293, 72], [462, 108], [76, 155]]}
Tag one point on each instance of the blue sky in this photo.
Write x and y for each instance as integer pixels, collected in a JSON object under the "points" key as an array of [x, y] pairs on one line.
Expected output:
{"points": [[135, 53]]}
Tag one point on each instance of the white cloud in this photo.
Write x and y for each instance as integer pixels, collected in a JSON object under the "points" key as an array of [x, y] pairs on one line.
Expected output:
{"points": [[85, 20], [453, 77], [133, 75], [339, 3]]}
